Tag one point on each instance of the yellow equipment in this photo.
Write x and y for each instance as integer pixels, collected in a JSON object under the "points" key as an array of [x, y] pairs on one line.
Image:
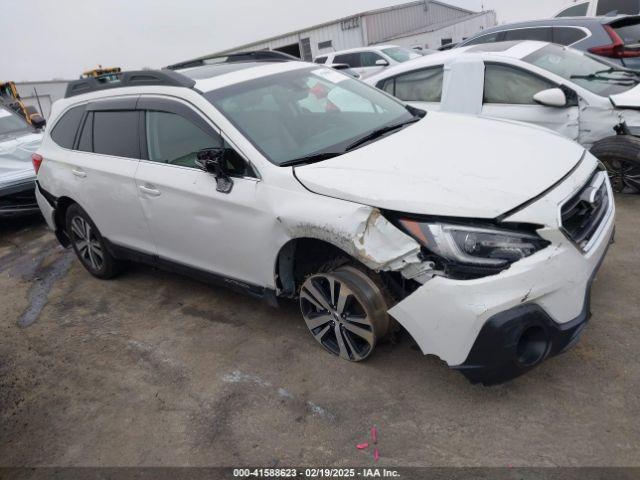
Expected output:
{"points": [[98, 72], [9, 97]]}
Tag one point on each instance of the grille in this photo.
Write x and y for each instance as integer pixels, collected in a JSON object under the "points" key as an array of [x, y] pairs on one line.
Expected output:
{"points": [[583, 213]]}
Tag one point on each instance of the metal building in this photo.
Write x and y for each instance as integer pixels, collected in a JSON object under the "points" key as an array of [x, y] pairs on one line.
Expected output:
{"points": [[425, 23]]}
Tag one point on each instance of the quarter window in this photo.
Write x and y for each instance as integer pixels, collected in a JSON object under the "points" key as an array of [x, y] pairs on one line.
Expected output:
{"points": [[64, 132], [116, 133], [508, 85], [320, 60]]}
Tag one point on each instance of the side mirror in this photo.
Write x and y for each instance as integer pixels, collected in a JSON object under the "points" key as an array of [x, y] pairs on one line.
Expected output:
{"points": [[382, 63], [213, 161], [554, 97]]}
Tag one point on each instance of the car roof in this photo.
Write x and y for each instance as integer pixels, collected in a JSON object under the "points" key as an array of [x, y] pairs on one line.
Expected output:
{"points": [[517, 49], [219, 75], [554, 22], [361, 49]]}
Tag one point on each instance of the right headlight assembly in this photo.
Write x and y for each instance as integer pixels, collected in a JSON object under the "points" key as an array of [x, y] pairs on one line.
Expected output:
{"points": [[475, 246]]}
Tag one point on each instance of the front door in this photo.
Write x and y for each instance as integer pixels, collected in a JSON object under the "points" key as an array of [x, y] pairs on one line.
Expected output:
{"points": [[191, 222], [509, 92]]}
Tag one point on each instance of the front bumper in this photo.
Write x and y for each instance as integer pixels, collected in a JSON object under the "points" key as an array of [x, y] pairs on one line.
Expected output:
{"points": [[18, 199], [497, 327], [514, 341]]}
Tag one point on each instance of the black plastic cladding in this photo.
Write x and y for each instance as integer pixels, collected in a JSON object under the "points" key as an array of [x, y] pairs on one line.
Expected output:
{"points": [[139, 78]]}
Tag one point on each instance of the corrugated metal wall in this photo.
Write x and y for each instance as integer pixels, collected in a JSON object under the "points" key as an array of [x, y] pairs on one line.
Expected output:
{"points": [[340, 39], [393, 22]]}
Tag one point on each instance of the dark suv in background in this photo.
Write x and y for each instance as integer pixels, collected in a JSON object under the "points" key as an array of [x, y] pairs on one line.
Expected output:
{"points": [[615, 38]]}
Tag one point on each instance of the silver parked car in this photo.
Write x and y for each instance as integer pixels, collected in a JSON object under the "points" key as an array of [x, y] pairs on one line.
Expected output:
{"points": [[18, 140]]}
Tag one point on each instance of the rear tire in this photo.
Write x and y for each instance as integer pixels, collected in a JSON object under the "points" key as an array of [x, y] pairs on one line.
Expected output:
{"points": [[345, 311], [89, 245], [621, 156]]}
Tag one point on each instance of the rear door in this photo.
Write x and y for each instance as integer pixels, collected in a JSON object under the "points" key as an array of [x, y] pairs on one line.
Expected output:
{"points": [[102, 166], [192, 223], [509, 91]]}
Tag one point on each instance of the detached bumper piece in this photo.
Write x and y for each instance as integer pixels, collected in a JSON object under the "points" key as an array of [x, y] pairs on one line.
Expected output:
{"points": [[515, 341], [18, 200]]}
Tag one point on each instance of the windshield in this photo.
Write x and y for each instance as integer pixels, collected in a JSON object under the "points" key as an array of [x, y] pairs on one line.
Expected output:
{"points": [[401, 54], [306, 112], [597, 76], [10, 123]]}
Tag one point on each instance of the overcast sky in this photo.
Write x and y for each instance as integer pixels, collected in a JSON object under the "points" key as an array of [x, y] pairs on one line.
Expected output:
{"points": [[46, 39]]}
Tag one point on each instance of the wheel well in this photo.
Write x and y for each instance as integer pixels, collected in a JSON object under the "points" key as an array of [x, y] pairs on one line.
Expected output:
{"points": [[60, 218], [303, 256]]}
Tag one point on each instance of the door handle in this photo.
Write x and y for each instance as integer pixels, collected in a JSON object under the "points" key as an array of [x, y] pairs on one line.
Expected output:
{"points": [[79, 173], [152, 192]]}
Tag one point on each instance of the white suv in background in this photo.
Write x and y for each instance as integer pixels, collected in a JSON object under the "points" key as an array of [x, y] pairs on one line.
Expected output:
{"points": [[369, 60], [291, 180]]}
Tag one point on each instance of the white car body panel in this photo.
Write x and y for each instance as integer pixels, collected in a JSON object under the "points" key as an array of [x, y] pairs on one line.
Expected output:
{"points": [[593, 120], [555, 278], [382, 180], [445, 165]]}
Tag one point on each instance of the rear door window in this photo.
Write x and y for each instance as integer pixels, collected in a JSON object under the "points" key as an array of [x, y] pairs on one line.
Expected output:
{"points": [[64, 132], [320, 60], [575, 11], [567, 35], [618, 7], [116, 133], [542, 34]]}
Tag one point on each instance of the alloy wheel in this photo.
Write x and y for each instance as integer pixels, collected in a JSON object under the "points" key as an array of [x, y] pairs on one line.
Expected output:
{"points": [[624, 176], [87, 244], [339, 315]]}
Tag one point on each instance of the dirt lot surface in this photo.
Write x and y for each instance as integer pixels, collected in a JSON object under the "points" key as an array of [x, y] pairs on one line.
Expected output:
{"points": [[156, 369]]}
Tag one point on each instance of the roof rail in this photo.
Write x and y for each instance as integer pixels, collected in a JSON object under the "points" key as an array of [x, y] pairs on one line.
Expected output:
{"points": [[136, 78], [249, 56]]}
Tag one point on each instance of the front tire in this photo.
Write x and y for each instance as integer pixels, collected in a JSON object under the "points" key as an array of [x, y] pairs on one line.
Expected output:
{"points": [[621, 156], [89, 245], [345, 311]]}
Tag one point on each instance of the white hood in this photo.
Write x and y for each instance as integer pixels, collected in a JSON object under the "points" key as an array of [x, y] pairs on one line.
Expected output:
{"points": [[628, 99], [450, 165]]}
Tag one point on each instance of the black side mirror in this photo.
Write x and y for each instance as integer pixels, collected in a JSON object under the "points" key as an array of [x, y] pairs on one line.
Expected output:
{"points": [[213, 161]]}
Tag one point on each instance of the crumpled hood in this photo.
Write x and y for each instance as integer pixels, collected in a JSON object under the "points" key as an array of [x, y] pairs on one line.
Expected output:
{"points": [[446, 164], [15, 158], [628, 99]]}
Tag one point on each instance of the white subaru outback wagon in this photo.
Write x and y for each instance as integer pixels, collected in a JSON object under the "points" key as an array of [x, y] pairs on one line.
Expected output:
{"points": [[480, 237]]}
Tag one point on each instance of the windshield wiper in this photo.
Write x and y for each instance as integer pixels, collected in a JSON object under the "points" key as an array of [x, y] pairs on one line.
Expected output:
{"points": [[600, 75], [380, 132], [316, 157]]}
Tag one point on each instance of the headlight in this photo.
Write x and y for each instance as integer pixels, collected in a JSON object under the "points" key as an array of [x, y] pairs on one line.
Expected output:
{"points": [[472, 245]]}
